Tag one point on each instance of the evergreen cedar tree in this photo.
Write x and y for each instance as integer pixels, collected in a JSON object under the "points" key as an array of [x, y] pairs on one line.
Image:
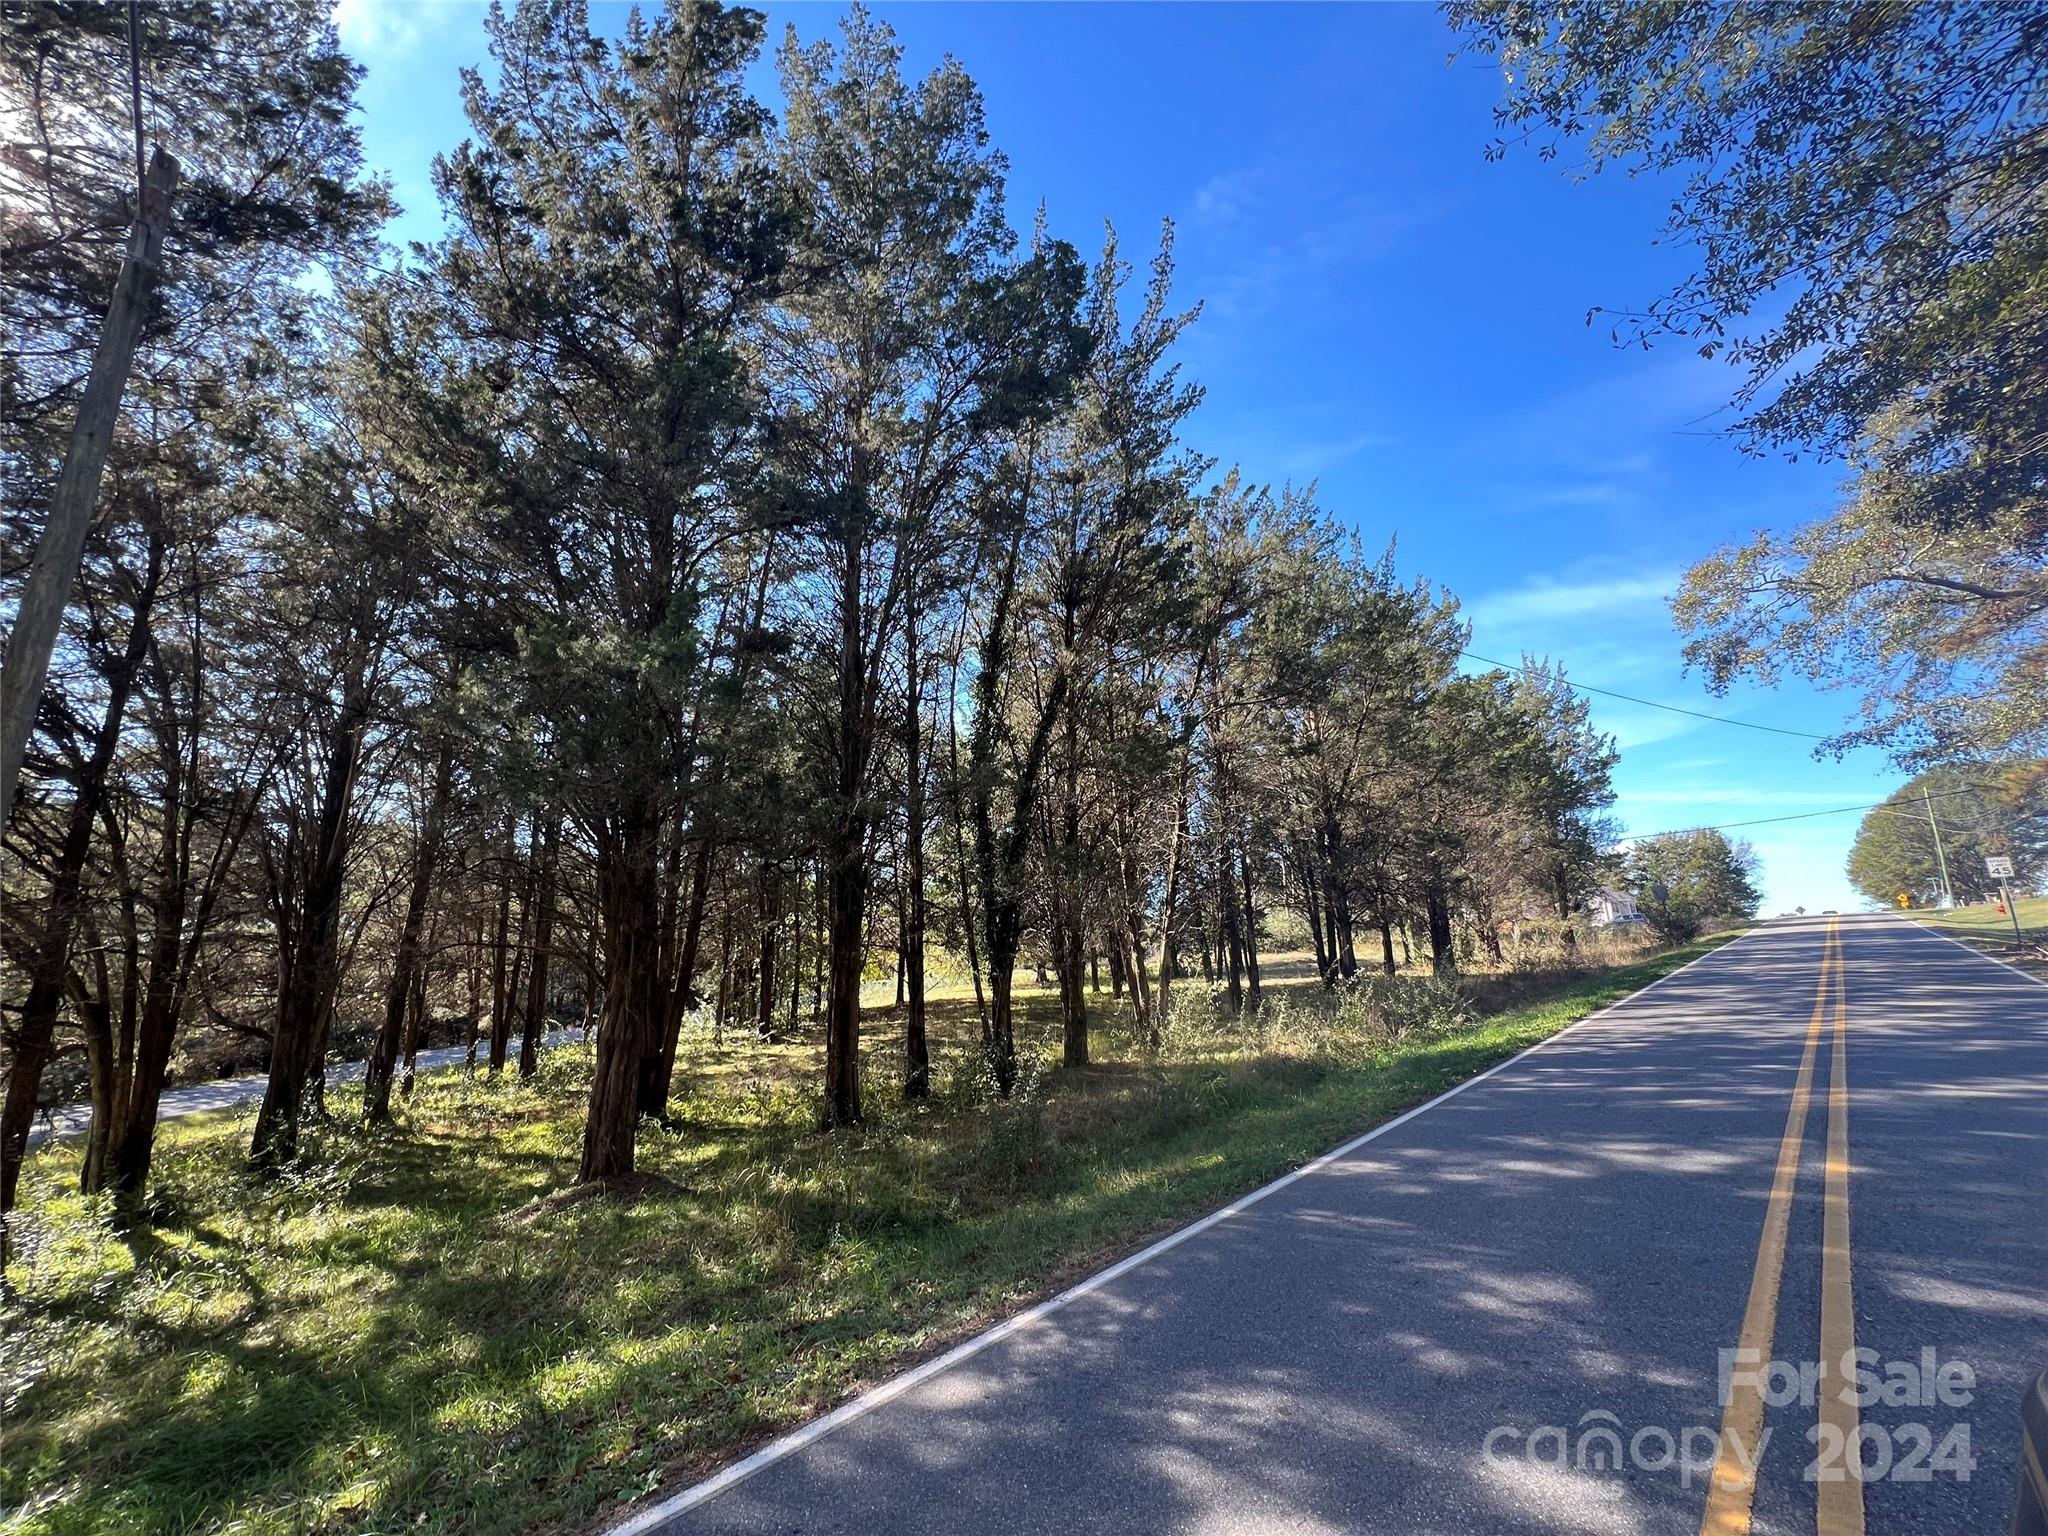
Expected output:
{"points": [[734, 563]]}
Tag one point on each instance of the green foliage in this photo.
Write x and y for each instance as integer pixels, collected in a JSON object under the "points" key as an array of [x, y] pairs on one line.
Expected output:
{"points": [[1682, 881], [616, 227], [1391, 1009], [1854, 164], [1869, 179], [257, 103], [1980, 809]]}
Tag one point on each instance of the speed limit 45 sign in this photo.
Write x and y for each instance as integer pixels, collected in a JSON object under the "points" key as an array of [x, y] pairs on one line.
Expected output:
{"points": [[1998, 867]]}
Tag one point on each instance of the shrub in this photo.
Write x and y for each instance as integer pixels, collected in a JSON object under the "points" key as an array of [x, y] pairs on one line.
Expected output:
{"points": [[1389, 1008]]}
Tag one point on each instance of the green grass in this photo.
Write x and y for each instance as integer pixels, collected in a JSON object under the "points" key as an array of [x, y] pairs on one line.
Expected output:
{"points": [[1991, 930], [405, 1337], [1988, 921]]}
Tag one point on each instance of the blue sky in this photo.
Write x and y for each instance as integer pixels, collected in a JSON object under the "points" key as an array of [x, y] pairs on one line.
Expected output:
{"points": [[1386, 313]]}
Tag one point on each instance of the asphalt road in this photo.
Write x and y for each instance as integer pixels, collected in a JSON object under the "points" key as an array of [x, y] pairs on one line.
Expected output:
{"points": [[1579, 1234], [228, 1092]]}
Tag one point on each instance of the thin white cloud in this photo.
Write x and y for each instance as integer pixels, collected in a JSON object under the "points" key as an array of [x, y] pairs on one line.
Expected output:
{"points": [[1543, 600], [1588, 493], [1314, 458], [375, 27], [1224, 196], [393, 32]]}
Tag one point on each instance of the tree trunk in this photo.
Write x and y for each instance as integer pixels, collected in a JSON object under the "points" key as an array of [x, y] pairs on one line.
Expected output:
{"points": [[310, 977], [1251, 930], [35, 1037], [658, 1072], [629, 902], [1562, 890], [771, 925], [476, 993], [1069, 960], [1130, 937], [385, 1050], [1343, 927], [39, 610], [818, 944], [794, 964], [1443, 956], [847, 848], [917, 1056], [1326, 961], [1167, 937], [722, 1006], [847, 899], [543, 949], [1230, 943], [501, 941], [416, 1011], [132, 1144]]}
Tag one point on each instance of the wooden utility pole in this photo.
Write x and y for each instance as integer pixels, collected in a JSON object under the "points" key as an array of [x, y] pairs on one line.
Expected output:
{"points": [[55, 566], [1948, 892]]}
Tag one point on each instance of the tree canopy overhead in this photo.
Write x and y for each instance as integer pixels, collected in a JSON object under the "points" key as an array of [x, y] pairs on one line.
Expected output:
{"points": [[1865, 189]]}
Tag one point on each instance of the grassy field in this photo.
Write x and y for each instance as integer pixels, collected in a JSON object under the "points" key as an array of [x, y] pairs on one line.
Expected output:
{"points": [[1991, 930], [409, 1335]]}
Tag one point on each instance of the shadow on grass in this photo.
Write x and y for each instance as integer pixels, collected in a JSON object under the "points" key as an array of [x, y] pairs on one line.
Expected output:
{"points": [[372, 1345]]}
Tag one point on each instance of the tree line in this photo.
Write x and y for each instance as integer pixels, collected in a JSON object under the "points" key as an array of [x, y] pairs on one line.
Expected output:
{"points": [[730, 563], [1932, 837]]}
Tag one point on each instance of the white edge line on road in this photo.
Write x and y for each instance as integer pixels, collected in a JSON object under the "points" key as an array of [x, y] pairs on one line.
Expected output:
{"points": [[1973, 949], [651, 1519]]}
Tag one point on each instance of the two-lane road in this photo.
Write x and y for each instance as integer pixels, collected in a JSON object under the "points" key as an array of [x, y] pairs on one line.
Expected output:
{"points": [[1455, 1324]]}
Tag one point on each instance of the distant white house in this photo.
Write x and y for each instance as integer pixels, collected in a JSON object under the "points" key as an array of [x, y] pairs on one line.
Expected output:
{"points": [[1605, 907]]}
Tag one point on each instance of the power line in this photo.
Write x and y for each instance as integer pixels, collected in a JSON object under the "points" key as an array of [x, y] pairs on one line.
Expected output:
{"points": [[1676, 709], [1840, 810]]}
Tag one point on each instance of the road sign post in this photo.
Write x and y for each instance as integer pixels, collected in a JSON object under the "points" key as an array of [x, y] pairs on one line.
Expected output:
{"points": [[1999, 867]]}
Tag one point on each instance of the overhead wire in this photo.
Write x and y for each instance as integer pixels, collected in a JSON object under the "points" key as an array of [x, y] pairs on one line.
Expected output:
{"points": [[1676, 709], [1883, 806]]}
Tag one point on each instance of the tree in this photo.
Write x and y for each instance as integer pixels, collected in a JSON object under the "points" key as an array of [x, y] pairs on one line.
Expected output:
{"points": [[1870, 178], [343, 589], [617, 227], [911, 345], [1978, 810], [1684, 880], [1083, 534], [257, 104], [1563, 782], [1926, 593]]}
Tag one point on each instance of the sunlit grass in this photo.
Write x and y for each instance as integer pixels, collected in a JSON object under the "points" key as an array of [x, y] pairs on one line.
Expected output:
{"points": [[1988, 920], [1991, 930], [399, 1338]]}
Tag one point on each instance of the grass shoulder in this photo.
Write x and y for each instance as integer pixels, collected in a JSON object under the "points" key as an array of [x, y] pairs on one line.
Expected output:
{"points": [[403, 1334], [1986, 928]]}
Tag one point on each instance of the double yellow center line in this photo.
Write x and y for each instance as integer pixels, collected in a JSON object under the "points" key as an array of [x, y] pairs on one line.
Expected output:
{"points": [[1732, 1489]]}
